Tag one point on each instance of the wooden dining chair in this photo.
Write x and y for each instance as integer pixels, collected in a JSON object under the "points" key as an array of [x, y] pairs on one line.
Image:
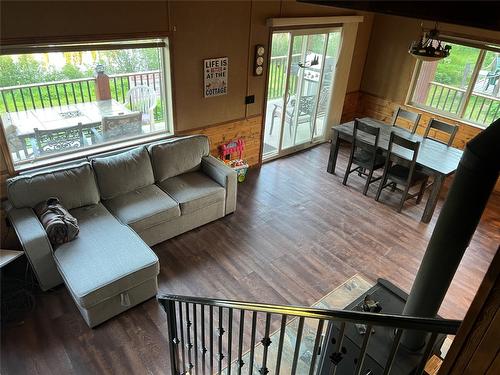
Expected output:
{"points": [[443, 127], [364, 153], [408, 116], [400, 169]]}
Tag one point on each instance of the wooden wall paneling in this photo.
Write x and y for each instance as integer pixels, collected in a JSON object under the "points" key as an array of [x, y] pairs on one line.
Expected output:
{"points": [[249, 129]]}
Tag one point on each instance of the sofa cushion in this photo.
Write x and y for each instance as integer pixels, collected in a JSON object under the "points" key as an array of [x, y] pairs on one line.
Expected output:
{"points": [[124, 172], [143, 208], [105, 260], [181, 155], [74, 186], [193, 191]]}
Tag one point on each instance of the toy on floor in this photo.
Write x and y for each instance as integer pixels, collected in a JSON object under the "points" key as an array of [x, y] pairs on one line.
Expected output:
{"points": [[226, 152]]}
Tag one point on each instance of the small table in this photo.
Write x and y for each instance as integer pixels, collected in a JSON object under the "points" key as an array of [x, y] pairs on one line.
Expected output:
{"points": [[434, 158], [7, 256]]}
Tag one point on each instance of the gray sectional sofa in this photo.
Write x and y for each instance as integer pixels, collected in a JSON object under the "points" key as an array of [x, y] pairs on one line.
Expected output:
{"points": [[123, 202]]}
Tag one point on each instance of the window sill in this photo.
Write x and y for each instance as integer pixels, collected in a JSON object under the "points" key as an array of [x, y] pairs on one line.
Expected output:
{"points": [[446, 116], [77, 156]]}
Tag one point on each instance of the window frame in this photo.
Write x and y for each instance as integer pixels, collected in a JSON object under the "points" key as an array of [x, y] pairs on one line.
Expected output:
{"points": [[165, 87], [483, 48]]}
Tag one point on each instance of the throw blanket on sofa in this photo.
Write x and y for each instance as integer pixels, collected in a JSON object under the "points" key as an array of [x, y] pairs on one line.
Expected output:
{"points": [[59, 224]]}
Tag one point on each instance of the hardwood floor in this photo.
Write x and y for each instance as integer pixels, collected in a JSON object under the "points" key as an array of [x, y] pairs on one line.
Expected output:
{"points": [[297, 234]]}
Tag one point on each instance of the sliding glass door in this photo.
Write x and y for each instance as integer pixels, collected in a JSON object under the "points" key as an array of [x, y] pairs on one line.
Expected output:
{"points": [[300, 82]]}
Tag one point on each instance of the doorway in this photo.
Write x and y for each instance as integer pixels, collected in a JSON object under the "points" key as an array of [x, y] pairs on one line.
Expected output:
{"points": [[300, 82]]}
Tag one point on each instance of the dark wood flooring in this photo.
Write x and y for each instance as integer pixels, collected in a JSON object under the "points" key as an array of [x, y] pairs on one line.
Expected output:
{"points": [[297, 234]]}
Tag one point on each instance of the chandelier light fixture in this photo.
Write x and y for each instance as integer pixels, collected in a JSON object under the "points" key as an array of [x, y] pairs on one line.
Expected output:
{"points": [[429, 47]]}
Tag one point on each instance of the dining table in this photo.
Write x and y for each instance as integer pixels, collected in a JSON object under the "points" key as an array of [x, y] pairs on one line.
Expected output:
{"points": [[434, 158]]}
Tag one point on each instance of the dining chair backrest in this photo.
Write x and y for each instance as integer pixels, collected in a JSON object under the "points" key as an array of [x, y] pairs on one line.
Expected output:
{"points": [[407, 145], [441, 126], [370, 142], [121, 126], [58, 140], [408, 116], [141, 99]]}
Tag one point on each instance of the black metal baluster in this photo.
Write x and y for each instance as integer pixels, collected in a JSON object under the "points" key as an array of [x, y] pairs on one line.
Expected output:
{"points": [[13, 100], [203, 348], [195, 343], [229, 339], [240, 341], [211, 309], [362, 352], [135, 80], [88, 90], [496, 111], [4, 102], [58, 97], [427, 353], [280, 344], [81, 91], [189, 344], [394, 350], [337, 353], [123, 89], [266, 341], [172, 337], [22, 97], [147, 79], [32, 99], [182, 342], [252, 343], [440, 95], [220, 334], [297, 345], [116, 89], [65, 93], [49, 95], [142, 83], [319, 332], [73, 92]]}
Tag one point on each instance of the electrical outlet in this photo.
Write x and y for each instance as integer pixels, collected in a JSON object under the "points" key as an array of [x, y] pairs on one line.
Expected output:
{"points": [[249, 99]]}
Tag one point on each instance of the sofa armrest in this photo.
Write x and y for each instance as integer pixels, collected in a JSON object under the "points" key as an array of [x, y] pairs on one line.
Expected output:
{"points": [[36, 246], [224, 176]]}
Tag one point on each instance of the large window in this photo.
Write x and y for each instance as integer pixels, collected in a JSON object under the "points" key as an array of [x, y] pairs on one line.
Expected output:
{"points": [[64, 100], [465, 85]]}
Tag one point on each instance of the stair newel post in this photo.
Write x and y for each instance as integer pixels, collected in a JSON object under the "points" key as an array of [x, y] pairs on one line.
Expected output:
{"points": [[474, 181], [169, 306]]}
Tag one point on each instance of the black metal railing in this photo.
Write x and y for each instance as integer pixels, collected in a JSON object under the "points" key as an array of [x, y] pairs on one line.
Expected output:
{"points": [[191, 322], [74, 91]]}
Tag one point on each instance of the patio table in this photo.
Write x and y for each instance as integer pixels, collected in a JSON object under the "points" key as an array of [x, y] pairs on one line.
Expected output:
{"points": [[434, 158], [60, 117]]}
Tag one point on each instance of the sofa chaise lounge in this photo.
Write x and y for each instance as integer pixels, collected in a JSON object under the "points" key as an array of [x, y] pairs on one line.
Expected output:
{"points": [[124, 203]]}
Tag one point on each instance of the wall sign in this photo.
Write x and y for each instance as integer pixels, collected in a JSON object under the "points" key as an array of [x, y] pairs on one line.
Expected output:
{"points": [[215, 73]]}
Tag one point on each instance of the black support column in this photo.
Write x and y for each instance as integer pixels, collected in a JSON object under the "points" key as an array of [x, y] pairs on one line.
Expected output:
{"points": [[474, 181]]}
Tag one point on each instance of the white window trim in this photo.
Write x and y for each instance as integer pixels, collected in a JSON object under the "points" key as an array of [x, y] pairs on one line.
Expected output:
{"points": [[468, 93]]}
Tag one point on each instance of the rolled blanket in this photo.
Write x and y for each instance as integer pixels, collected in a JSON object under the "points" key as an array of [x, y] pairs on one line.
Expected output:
{"points": [[60, 225]]}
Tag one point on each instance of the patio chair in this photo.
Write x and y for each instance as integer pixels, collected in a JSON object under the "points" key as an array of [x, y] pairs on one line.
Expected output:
{"points": [[494, 74], [408, 116], [16, 143], [305, 109], [441, 126], [364, 153], [402, 171], [142, 99], [58, 140], [118, 127]]}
